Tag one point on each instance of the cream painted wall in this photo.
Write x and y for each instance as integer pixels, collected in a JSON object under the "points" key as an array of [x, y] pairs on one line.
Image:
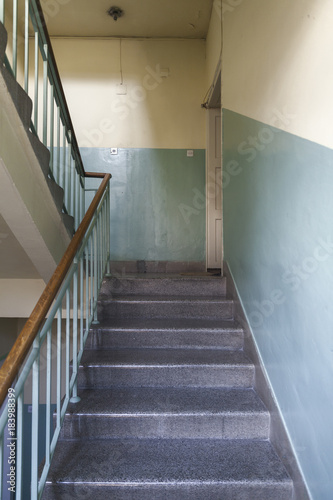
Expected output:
{"points": [[8, 334], [277, 63], [214, 43], [159, 111], [19, 297]]}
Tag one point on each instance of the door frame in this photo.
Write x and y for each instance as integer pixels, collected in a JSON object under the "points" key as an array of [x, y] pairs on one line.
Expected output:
{"points": [[213, 104]]}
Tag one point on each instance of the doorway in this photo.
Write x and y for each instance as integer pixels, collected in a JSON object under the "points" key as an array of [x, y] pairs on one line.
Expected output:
{"points": [[214, 248]]}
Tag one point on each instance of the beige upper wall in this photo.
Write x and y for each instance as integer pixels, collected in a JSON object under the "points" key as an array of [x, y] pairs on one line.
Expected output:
{"points": [[277, 59], [159, 111], [214, 43]]}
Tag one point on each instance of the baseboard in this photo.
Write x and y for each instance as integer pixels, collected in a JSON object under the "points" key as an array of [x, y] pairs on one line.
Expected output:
{"points": [[278, 433], [121, 267]]}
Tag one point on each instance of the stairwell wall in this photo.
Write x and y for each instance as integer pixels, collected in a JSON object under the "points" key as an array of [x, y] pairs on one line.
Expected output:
{"points": [[278, 177], [153, 119]]}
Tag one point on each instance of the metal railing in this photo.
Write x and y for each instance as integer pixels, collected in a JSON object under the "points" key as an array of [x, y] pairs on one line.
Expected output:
{"points": [[44, 362], [42, 368], [30, 58]]}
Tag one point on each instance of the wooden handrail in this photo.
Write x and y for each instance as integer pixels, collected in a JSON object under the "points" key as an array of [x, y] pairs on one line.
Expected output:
{"points": [[20, 349]]}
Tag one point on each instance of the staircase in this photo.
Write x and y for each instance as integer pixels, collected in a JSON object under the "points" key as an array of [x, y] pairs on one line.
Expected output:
{"points": [[11, 89], [167, 410]]}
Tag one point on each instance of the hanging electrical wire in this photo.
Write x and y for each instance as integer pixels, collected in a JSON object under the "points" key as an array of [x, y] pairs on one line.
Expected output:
{"points": [[121, 62]]}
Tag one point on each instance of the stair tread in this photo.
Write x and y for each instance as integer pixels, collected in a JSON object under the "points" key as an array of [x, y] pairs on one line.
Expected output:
{"points": [[163, 298], [163, 357], [168, 277], [153, 324], [167, 400], [128, 461]]}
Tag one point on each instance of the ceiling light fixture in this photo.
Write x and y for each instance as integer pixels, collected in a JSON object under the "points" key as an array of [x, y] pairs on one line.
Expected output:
{"points": [[115, 12]]}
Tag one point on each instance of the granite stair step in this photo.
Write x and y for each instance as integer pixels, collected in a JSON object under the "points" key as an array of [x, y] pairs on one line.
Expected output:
{"points": [[168, 469], [164, 307], [168, 333], [162, 285], [165, 368], [168, 412]]}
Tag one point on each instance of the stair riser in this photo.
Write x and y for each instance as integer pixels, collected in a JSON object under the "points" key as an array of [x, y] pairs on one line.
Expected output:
{"points": [[181, 287], [254, 426], [165, 310], [104, 339], [236, 491], [171, 376]]}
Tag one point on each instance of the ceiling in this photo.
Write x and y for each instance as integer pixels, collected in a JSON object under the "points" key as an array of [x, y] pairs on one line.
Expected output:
{"points": [[141, 18]]}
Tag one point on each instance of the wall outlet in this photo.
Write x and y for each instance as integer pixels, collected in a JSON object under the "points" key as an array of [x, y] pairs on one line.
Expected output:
{"points": [[114, 151], [190, 153]]}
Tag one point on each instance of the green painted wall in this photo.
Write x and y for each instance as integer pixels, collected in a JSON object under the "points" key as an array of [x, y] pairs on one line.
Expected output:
{"points": [[278, 237], [157, 202]]}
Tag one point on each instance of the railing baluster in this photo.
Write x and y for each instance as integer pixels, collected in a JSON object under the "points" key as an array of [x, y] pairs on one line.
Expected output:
{"points": [[68, 174], [108, 269], [19, 445], [86, 256], [57, 177], [75, 398], [59, 358], [91, 274], [63, 163], [2, 20], [45, 92], [48, 397], [77, 200], [36, 80], [52, 129], [95, 272], [26, 46], [81, 303], [35, 423], [68, 343], [72, 188]]}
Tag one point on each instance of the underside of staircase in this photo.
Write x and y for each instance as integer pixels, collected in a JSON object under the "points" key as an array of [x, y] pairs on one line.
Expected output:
{"points": [[31, 201], [168, 408]]}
